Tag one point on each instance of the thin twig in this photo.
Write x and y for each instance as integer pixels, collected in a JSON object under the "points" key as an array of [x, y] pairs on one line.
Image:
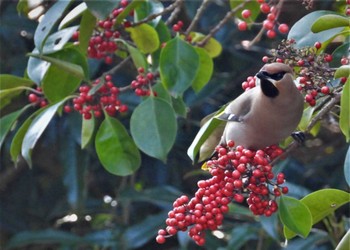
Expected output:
{"points": [[178, 4], [155, 15], [198, 15], [221, 23], [117, 67]]}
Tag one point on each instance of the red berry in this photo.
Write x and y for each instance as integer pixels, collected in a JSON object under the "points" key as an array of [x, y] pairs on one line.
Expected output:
{"points": [[301, 62], [242, 26], [108, 60], [67, 109], [325, 90], [265, 59], [33, 98], [317, 45], [160, 239], [271, 34], [265, 8], [283, 28], [246, 13], [176, 28], [344, 61], [343, 80], [328, 58], [268, 25], [271, 17]]}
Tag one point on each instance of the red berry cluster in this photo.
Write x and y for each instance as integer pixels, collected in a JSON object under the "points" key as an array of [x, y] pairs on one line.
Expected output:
{"points": [[102, 44], [178, 26], [269, 23], [37, 98], [143, 82], [249, 83], [238, 174], [347, 10], [314, 73], [105, 98]]}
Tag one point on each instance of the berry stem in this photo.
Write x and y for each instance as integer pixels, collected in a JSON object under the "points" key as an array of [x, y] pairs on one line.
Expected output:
{"points": [[198, 15]]}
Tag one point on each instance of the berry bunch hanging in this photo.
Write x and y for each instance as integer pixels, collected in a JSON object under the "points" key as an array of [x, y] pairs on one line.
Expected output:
{"points": [[237, 174]]}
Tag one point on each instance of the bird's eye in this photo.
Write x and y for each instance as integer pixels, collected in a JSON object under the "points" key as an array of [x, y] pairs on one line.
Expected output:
{"points": [[278, 76]]}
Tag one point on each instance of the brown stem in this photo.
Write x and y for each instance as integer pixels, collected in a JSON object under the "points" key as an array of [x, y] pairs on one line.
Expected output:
{"points": [[178, 4], [155, 15], [198, 15], [221, 23]]}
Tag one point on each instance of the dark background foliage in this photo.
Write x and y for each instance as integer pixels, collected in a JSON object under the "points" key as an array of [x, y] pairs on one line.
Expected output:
{"points": [[67, 181]]}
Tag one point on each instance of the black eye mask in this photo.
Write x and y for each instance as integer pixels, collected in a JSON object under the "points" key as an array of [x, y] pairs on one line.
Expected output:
{"points": [[276, 76]]}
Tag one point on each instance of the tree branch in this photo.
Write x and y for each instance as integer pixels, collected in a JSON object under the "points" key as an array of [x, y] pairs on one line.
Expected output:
{"points": [[198, 15]]}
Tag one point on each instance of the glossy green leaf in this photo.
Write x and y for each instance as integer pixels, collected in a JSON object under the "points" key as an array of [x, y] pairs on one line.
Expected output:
{"points": [[342, 71], [321, 204], [205, 131], [205, 70], [253, 6], [101, 9], [145, 37], [344, 242], [87, 131], [179, 63], [295, 215], [17, 140], [87, 26], [57, 40], [75, 13], [71, 68], [37, 69], [179, 106], [329, 21], [306, 118], [344, 119], [58, 83], [131, 6], [49, 236], [338, 53], [10, 81], [147, 8], [6, 95], [162, 92], [164, 36], [153, 127], [213, 47], [137, 57], [347, 167], [138, 235], [36, 129], [303, 35], [7, 122], [23, 7], [115, 149], [46, 25]]}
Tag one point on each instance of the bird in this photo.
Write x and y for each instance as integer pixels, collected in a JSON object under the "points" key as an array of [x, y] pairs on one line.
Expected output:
{"points": [[260, 117]]}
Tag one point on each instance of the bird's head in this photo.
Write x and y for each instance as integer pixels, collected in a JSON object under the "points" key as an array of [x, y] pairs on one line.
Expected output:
{"points": [[274, 78]]}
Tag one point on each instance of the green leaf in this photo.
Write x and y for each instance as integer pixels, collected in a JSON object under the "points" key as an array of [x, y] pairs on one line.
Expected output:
{"points": [[145, 37], [37, 69], [101, 9], [306, 118], [137, 57], [205, 70], [338, 53], [87, 131], [115, 149], [213, 47], [321, 204], [162, 92], [329, 21], [241, 235], [17, 140], [203, 134], [87, 26], [131, 6], [59, 83], [72, 15], [253, 6], [344, 119], [138, 235], [347, 167], [295, 215], [10, 81], [153, 127], [71, 68], [36, 129], [57, 40], [303, 35], [179, 63], [48, 236], [344, 242], [23, 7], [342, 71], [6, 95], [179, 106], [147, 8], [7, 122], [46, 25]]}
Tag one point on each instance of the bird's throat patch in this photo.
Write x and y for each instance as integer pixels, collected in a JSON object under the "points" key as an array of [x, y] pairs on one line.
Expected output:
{"points": [[268, 88]]}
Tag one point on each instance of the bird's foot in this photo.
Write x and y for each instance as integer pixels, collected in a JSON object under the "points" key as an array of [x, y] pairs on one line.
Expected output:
{"points": [[298, 136]]}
